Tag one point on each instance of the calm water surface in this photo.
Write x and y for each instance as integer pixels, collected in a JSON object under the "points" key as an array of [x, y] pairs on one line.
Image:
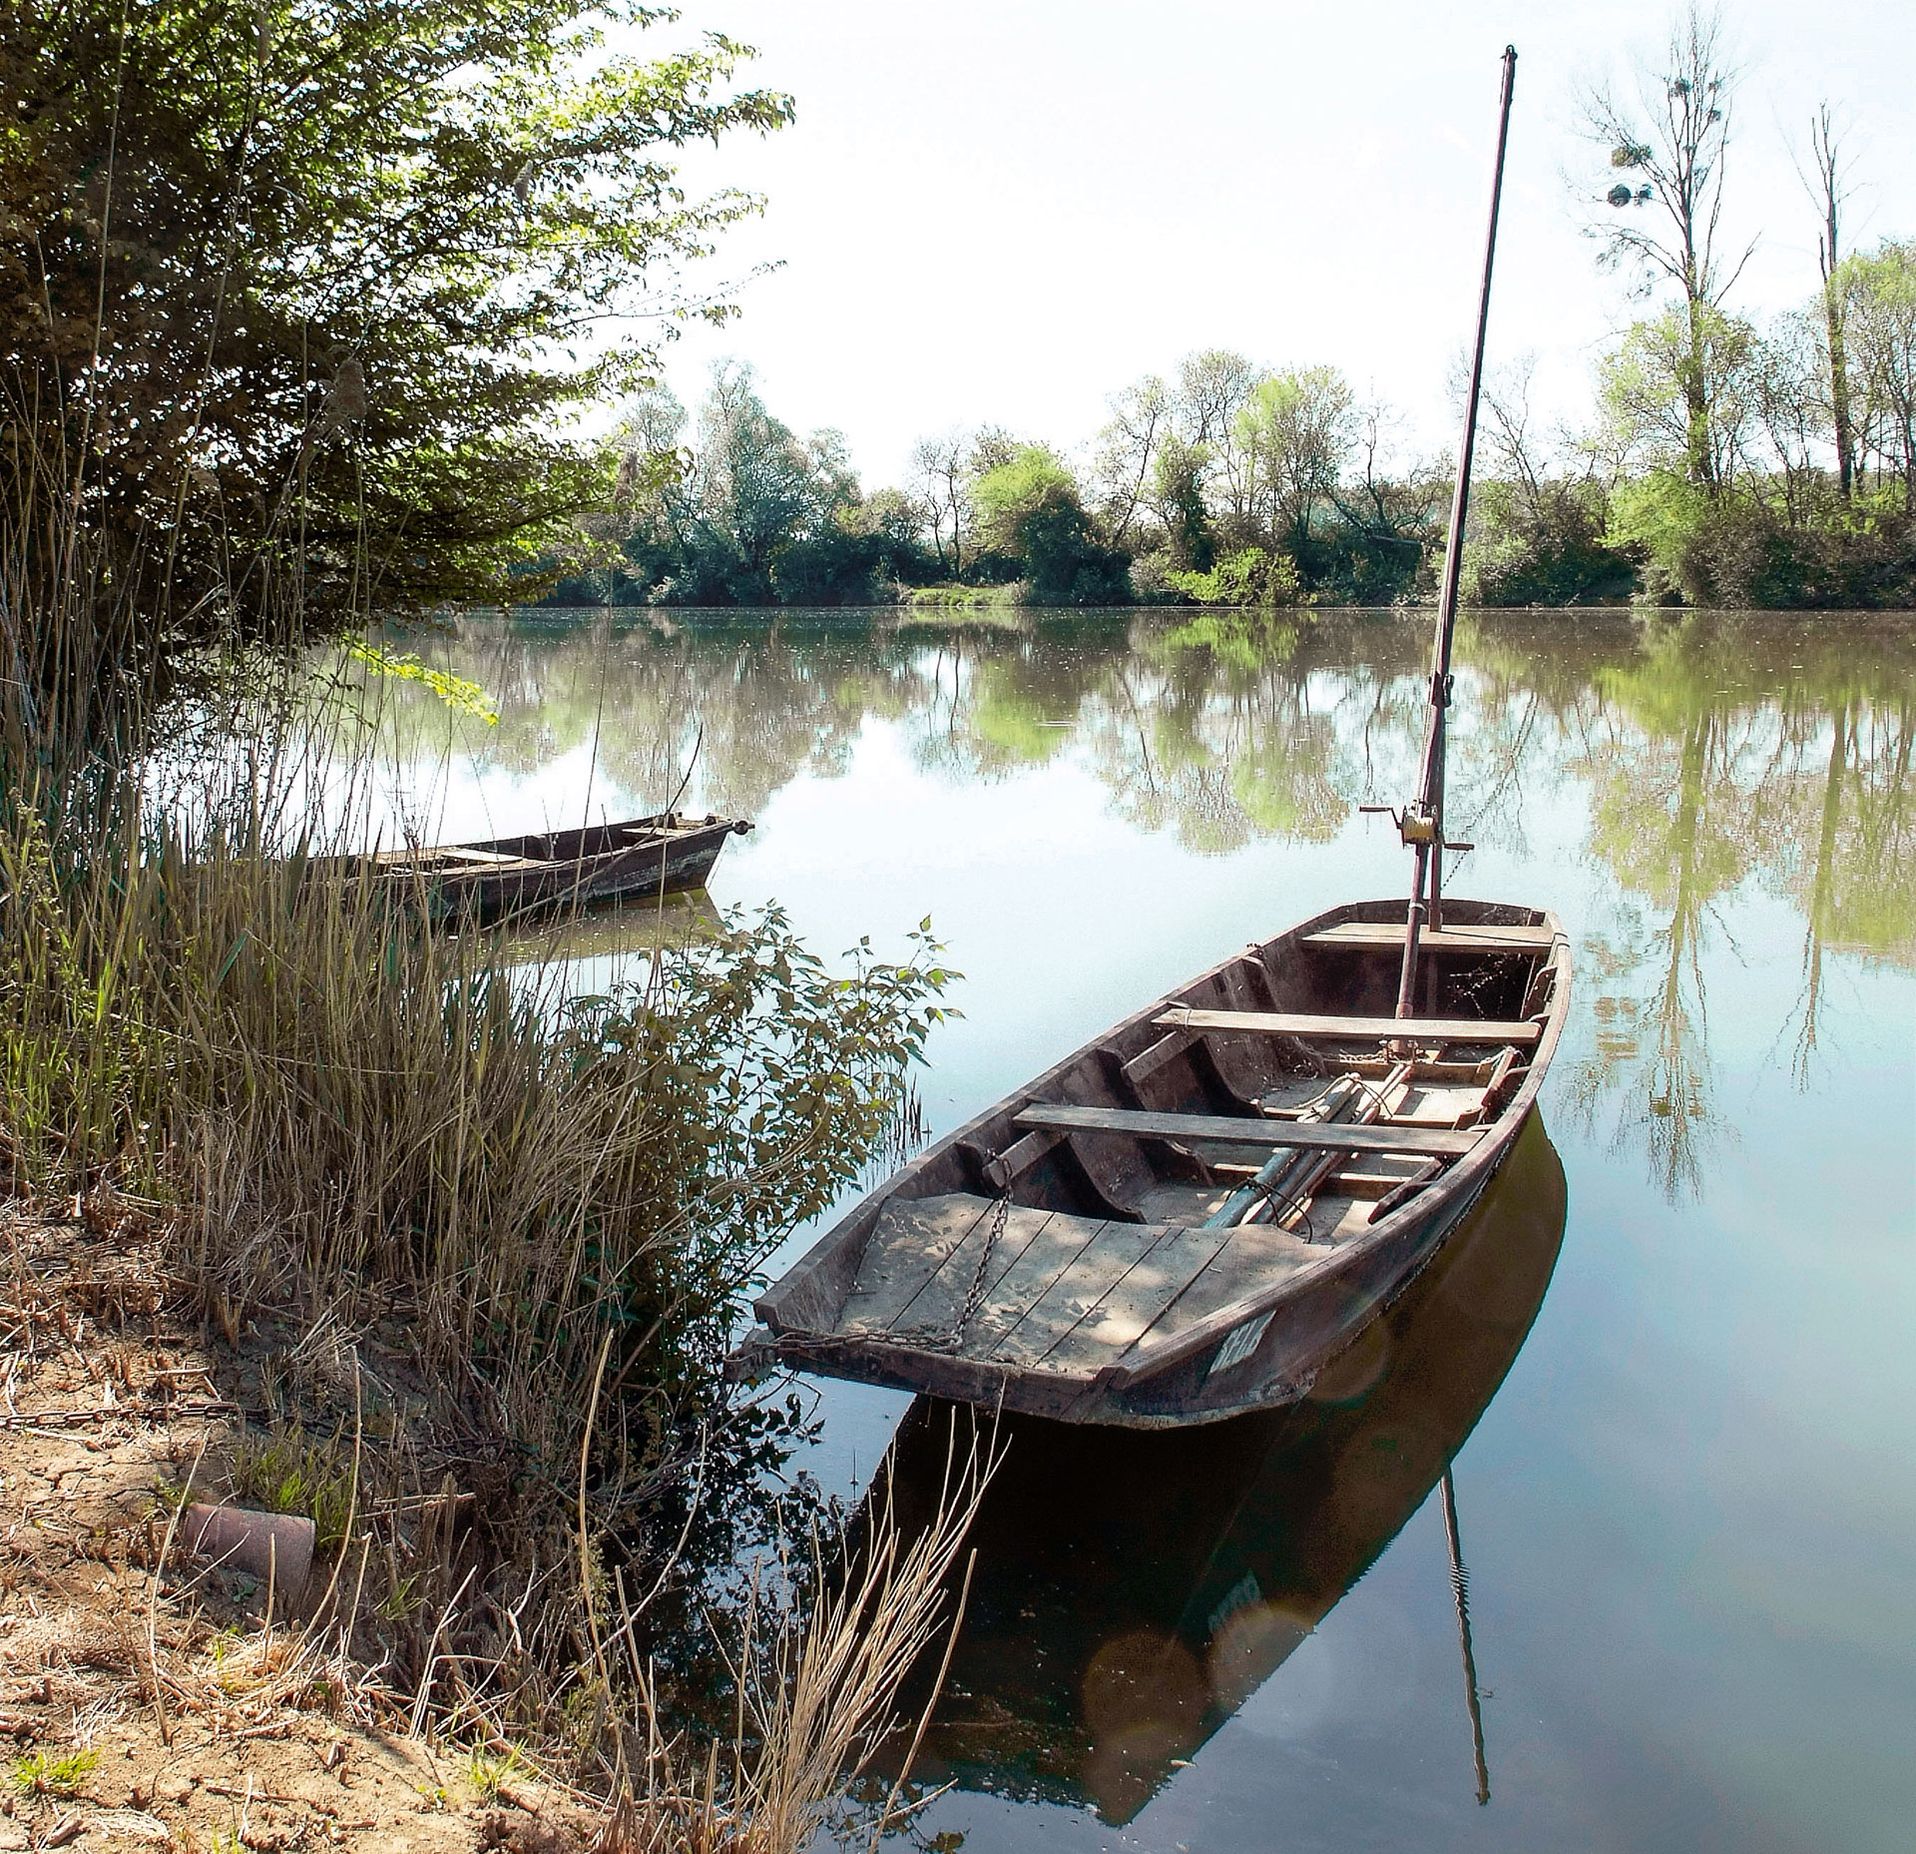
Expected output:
{"points": [[1669, 1366]]}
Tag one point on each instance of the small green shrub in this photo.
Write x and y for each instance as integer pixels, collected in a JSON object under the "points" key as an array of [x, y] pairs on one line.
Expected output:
{"points": [[1250, 576]]}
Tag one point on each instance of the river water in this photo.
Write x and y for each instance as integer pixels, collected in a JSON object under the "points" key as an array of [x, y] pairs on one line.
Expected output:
{"points": [[1669, 1364]]}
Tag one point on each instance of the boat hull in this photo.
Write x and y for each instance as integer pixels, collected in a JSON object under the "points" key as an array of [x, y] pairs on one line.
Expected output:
{"points": [[1257, 1530], [1117, 1153], [638, 860]]}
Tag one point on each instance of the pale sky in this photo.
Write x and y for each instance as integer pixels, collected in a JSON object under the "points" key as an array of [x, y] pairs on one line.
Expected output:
{"points": [[1004, 213]]}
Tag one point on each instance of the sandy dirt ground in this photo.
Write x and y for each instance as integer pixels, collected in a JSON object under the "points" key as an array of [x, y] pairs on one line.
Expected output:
{"points": [[148, 1702]]}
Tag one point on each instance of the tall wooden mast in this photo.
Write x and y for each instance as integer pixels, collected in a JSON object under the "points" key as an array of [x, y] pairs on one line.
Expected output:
{"points": [[1422, 822]]}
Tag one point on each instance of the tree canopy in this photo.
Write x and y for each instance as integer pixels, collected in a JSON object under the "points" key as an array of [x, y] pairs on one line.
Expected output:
{"points": [[297, 298]]}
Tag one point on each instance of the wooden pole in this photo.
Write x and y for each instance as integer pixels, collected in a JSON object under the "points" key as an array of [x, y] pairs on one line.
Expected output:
{"points": [[1460, 1594], [1423, 823]]}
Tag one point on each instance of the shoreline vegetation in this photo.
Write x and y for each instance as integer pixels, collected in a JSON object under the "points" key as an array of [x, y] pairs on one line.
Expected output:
{"points": [[387, 1229], [380, 1241], [1726, 461]]}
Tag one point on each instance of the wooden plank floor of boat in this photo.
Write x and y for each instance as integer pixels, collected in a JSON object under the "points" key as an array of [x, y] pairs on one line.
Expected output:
{"points": [[1061, 1293]]}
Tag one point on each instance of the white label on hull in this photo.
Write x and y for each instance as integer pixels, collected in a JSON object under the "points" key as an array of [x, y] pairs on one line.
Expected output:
{"points": [[1240, 1345]]}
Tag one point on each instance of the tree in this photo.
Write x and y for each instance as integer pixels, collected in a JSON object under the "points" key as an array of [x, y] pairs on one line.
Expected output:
{"points": [[1830, 195], [1031, 521], [1213, 385], [1788, 406], [1295, 431], [751, 514], [1649, 387], [1175, 497], [1538, 512], [296, 298], [1127, 448], [1879, 299], [1665, 228], [757, 483], [1393, 516], [1695, 537], [941, 467]]}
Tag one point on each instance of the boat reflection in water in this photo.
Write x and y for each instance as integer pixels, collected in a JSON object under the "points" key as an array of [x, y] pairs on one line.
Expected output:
{"points": [[621, 932], [1132, 1589]]}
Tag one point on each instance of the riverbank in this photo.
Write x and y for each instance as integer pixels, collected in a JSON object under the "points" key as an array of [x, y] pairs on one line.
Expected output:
{"points": [[311, 1210], [146, 1697], [155, 1690]]}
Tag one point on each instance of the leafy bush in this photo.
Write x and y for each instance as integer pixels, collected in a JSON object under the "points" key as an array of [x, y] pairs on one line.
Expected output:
{"points": [[1250, 576], [1550, 548], [1032, 525]]}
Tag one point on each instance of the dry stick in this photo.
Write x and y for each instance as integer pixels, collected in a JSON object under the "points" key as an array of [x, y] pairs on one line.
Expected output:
{"points": [[153, 1599], [352, 1510], [439, 1627], [585, 1545], [886, 1815]]}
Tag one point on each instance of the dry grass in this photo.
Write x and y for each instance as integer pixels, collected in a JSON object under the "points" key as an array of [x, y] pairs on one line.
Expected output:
{"points": [[814, 1697], [202, 1696]]}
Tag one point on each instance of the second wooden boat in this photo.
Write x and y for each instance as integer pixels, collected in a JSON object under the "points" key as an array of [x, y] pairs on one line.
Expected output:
{"points": [[1194, 1214], [637, 860]]}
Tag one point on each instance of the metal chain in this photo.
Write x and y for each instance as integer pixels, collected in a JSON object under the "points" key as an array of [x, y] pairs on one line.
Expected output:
{"points": [[948, 1338], [975, 1296]]}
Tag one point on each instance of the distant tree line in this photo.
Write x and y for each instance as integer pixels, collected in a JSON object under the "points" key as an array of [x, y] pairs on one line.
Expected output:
{"points": [[1727, 462], [1730, 462], [1229, 484]]}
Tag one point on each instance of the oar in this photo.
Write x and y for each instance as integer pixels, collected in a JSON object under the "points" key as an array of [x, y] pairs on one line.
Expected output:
{"points": [[1273, 1183]]}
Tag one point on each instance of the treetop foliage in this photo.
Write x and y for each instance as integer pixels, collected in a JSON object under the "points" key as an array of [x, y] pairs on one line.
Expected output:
{"points": [[307, 290]]}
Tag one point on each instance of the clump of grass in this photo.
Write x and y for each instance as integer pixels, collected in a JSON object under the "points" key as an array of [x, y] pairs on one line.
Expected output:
{"points": [[488, 1772], [956, 597], [43, 1773], [289, 1471], [815, 1688]]}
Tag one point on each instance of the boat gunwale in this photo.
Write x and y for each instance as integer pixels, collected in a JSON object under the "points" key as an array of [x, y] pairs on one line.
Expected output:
{"points": [[419, 861]]}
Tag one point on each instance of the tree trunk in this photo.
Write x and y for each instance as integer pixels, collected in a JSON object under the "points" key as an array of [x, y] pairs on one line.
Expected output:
{"points": [[1823, 143], [1696, 401], [1839, 389]]}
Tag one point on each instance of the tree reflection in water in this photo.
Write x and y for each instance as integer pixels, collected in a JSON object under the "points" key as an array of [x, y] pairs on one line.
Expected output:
{"points": [[1716, 756]]}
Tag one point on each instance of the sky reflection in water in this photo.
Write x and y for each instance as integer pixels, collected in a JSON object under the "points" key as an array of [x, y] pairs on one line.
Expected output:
{"points": [[1688, 1513]]}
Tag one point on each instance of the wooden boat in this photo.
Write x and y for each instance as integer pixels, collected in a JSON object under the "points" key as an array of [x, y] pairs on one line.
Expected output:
{"points": [[1191, 1216], [1194, 1214], [1088, 1672], [638, 860]]}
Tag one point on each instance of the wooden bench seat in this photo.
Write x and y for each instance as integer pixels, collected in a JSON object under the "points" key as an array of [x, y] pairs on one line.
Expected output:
{"points": [[1231, 1129], [1360, 1029], [1384, 935], [489, 857]]}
